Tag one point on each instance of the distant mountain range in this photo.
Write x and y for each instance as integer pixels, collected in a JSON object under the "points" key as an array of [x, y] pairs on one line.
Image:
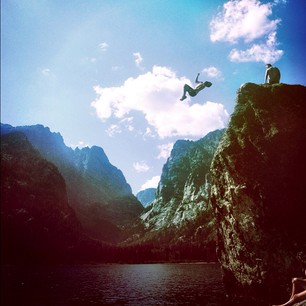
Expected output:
{"points": [[37, 223], [97, 191], [146, 196]]}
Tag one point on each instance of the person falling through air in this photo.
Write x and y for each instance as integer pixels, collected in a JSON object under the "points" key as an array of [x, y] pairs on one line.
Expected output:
{"points": [[194, 91]]}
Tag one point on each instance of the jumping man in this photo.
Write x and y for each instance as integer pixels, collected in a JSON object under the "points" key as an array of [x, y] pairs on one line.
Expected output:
{"points": [[194, 91]]}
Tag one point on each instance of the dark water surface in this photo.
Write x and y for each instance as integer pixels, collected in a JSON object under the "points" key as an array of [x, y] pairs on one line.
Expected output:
{"points": [[112, 284]]}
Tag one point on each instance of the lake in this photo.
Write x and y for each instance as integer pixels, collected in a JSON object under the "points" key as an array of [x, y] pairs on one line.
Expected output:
{"points": [[113, 284]]}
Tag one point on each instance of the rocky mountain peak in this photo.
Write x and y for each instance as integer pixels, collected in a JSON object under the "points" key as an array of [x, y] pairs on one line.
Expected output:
{"points": [[182, 194], [146, 196]]}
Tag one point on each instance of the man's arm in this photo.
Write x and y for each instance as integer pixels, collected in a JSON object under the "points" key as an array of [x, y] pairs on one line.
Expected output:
{"points": [[197, 81], [266, 76]]}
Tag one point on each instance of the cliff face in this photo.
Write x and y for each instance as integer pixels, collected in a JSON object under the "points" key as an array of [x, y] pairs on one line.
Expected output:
{"points": [[94, 164], [146, 196], [36, 221], [181, 211], [97, 190], [258, 191]]}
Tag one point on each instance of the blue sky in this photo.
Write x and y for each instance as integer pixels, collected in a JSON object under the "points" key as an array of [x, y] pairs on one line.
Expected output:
{"points": [[111, 73]]}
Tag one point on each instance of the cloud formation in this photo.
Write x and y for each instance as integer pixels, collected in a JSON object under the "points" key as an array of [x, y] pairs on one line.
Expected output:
{"points": [[113, 129], [156, 95], [138, 59], [264, 52], [213, 72], [152, 183], [244, 19], [165, 150], [103, 46], [46, 72], [141, 166], [248, 21]]}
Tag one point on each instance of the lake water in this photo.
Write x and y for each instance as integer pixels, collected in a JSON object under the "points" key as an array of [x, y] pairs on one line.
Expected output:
{"points": [[113, 284]]}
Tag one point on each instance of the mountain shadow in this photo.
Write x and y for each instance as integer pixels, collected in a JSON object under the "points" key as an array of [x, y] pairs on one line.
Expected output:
{"points": [[97, 190], [37, 223]]}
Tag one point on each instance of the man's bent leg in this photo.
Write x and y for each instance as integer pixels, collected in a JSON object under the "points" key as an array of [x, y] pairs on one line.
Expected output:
{"points": [[188, 89]]}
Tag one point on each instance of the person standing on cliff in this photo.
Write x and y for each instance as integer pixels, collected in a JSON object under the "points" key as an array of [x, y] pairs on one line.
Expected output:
{"points": [[272, 75], [194, 91]]}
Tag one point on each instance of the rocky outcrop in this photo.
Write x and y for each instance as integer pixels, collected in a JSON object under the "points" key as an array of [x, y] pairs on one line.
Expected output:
{"points": [[258, 192], [180, 212], [37, 223], [97, 190], [146, 197]]}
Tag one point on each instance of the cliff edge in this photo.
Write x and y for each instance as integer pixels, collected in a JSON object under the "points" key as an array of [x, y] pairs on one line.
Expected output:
{"points": [[258, 192]]}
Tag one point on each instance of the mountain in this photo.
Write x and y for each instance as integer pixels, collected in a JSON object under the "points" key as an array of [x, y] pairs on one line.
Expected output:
{"points": [[258, 193], [146, 196], [37, 223], [97, 190], [181, 214]]}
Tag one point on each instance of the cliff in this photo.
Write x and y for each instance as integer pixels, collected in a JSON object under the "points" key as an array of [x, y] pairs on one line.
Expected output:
{"points": [[37, 223], [258, 192], [180, 213], [97, 190], [146, 197]]}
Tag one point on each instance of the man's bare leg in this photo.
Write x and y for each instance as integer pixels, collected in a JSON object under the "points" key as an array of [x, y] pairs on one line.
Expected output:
{"points": [[188, 89], [296, 298]]}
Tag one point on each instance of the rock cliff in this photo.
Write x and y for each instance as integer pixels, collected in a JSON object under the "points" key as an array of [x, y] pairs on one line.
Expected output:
{"points": [[180, 212], [258, 192], [37, 223], [147, 196], [97, 190]]}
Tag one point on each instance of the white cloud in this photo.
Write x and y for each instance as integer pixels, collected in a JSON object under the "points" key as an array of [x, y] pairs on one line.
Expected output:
{"points": [[149, 133], [141, 166], [128, 123], [265, 52], [80, 144], [138, 59], [46, 72], [248, 20], [213, 72], [276, 2], [244, 19], [152, 183], [165, 150], [113, 129], [103, 46], [156, 94], [124, 124]]}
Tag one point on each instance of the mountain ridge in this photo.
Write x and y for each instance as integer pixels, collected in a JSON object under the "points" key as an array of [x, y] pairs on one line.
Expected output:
{"points": [[180, 220], [97, 190], [36, 220]]}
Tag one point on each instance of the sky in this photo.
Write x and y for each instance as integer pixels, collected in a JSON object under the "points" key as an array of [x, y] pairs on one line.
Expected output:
{"points": [[111, 72]]}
